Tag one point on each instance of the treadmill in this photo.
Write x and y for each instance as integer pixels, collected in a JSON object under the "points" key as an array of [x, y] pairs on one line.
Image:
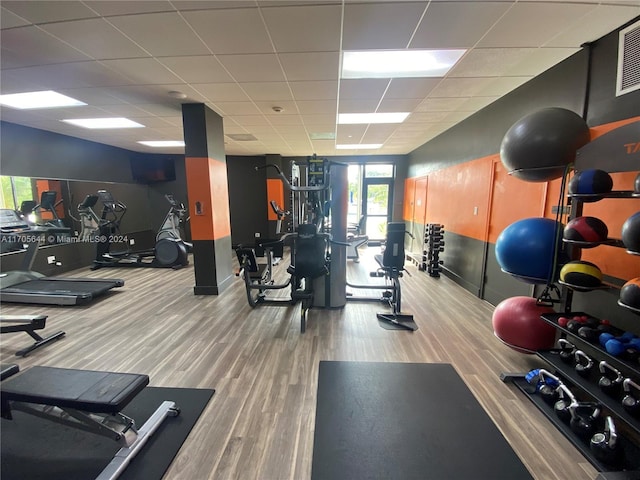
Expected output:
{"points": [[27, 286]]}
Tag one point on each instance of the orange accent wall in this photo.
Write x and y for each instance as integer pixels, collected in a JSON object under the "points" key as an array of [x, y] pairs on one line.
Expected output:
{"points": [[408, 203], [420, 200], [461, 189], [607, 127], [207, 184], [275, 191]]}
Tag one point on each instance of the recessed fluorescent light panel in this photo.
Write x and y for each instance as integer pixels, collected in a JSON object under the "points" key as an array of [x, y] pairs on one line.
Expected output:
{"points": [[399, 63], [43, 99], [163, 143], [115, 122], [361, 118], [359, 146]]}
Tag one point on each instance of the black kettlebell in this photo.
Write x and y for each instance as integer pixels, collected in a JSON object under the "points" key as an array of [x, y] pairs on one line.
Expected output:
{"points": [[590, 334], [566, 399], [605, 446], [573, 326], [629, 402], [584, 364], [611, 380], [566, 350], [583, 418], [549, 387]]}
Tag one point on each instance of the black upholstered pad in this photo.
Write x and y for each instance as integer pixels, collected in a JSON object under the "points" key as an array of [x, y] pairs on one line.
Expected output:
{"points": [[7, 370], [90, 391]]}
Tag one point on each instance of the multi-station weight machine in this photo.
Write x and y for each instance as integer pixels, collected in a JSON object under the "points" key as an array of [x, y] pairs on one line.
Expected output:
{"points": [[319, 198]]}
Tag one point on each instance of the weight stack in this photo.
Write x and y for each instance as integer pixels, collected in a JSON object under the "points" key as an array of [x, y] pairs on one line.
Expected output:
{"points": [[434, 243]]}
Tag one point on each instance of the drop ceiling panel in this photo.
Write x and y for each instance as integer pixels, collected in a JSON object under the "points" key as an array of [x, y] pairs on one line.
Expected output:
{"points": [[350, 133], [427, 117], [72, 75], [26, 46], [264, 91], [250, 120], [380, 25], [96, 38], [318, 119], [322, 90], [366, 88], [533, 24], [362, 105], [8, 19], [109, 7], [459, 87], [287, 120], [310, 66], [316, 107], [411, 87], [37, 11], [232, 31], [490, 62], [446, 104], [145, 71], [539, 60], [217, 92], [237, 108], [253, 67], [197, 69], [476, 103], [398, 104], [312, 28], [161, 34], [501, 86], [456, 24], [288, 107]]}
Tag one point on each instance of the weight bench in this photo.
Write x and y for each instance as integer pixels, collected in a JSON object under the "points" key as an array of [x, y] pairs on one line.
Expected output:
{"points": [[391, 263], [28, 324], [87, 400]]}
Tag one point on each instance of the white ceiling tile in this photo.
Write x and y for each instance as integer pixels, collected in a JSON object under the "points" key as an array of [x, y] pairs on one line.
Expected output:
{"points": [[213, 4], [321, 90], [217, 92], [96, 38], [310, 66], [455, 117], [279, 119], [26, 46], [539, 60], [380, 26], [533, 24], [350, 133], [319, 119], [490, 62], [264, 91], [312, 28], [476, 103], [378, 133], [197, 69], [427, 117], [73, 75], [360, 105], [448, 104], [125, 110], [231, 31], [9, 19], [253, 68], [110, 8], [317, 107], [237, 108], [161, 34], [398, 104], [411, 87], [250, 120], [86, 111], [456, 24], [595, 24], [501, 85], [459, 87], [142, 70], [288, 107], [366, 88], [43, 11]]}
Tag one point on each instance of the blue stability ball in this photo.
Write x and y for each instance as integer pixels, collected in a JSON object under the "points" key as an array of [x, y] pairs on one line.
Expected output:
{"points": [[539, 146], [525, 249]]}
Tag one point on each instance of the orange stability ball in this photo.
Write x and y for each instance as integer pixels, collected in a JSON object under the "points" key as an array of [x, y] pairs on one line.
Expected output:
{"points": [[516, 321]]}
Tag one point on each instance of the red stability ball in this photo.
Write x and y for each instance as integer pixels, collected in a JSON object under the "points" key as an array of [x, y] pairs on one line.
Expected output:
{"points": [[516, 321]]}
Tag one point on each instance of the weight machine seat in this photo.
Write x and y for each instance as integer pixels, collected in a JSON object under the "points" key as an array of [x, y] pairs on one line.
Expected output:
{"points": [[85, 390], [392, 259], [310, 258], [7, 370]]}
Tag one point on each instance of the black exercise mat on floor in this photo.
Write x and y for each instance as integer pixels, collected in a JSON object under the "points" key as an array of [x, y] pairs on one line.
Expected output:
{"points": [[34, 448], [405, 421]]}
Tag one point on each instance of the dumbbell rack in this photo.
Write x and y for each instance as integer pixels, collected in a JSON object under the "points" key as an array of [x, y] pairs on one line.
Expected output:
{"points": [[587, 389], [433, 245]]}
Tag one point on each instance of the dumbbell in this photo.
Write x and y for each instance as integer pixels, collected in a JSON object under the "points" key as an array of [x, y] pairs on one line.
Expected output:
{"points": [[609, 385], [629, 402], [583, 418], [605, 445], [566, 350], [565, 400], [584, 363]]}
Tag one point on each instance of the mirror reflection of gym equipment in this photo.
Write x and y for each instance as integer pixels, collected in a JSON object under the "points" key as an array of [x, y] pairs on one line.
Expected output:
{"points": [[170, 251], [319, 246]]}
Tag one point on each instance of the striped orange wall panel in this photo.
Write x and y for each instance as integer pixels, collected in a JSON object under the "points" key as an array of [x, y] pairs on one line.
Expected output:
{"points": [[420, 200], [275, 191], [207, 184], [458, 197], [512, 199], [607, 127], [408, 203]]}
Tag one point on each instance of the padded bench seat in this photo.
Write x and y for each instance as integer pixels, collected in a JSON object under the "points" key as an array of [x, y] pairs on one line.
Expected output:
{"points": [[86, 390], [8, 369]]}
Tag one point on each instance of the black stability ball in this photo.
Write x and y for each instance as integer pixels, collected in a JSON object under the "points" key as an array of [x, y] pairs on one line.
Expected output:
{"points": [[539, 146]]}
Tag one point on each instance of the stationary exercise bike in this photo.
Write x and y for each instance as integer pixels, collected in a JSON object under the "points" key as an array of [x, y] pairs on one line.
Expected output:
{"points": [[168, 252]]}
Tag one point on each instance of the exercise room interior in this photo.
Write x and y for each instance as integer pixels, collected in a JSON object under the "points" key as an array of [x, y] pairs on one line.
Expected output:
{"points": [[329, 240]]}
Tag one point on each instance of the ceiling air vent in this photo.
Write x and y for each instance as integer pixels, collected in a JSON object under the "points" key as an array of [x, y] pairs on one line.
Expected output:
{"points": [[629, 60], [242, 137]]}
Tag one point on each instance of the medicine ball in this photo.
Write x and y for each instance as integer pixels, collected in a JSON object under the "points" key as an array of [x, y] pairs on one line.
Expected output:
{"points": [[539, 146], [630, 294], [591, 182], [581, 274], [586, 229], [631, 233], [516, 321], [525, 249]]}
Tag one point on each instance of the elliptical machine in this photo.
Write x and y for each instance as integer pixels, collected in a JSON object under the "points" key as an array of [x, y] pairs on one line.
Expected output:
{"points": [[173, 222], [167, 253]]}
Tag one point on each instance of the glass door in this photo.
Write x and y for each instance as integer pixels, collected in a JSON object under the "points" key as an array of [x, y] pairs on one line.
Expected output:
{"points": [[376, 196]]}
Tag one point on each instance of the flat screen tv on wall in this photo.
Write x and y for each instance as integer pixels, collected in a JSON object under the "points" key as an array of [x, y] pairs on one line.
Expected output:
{"points": [[152, 170]]}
